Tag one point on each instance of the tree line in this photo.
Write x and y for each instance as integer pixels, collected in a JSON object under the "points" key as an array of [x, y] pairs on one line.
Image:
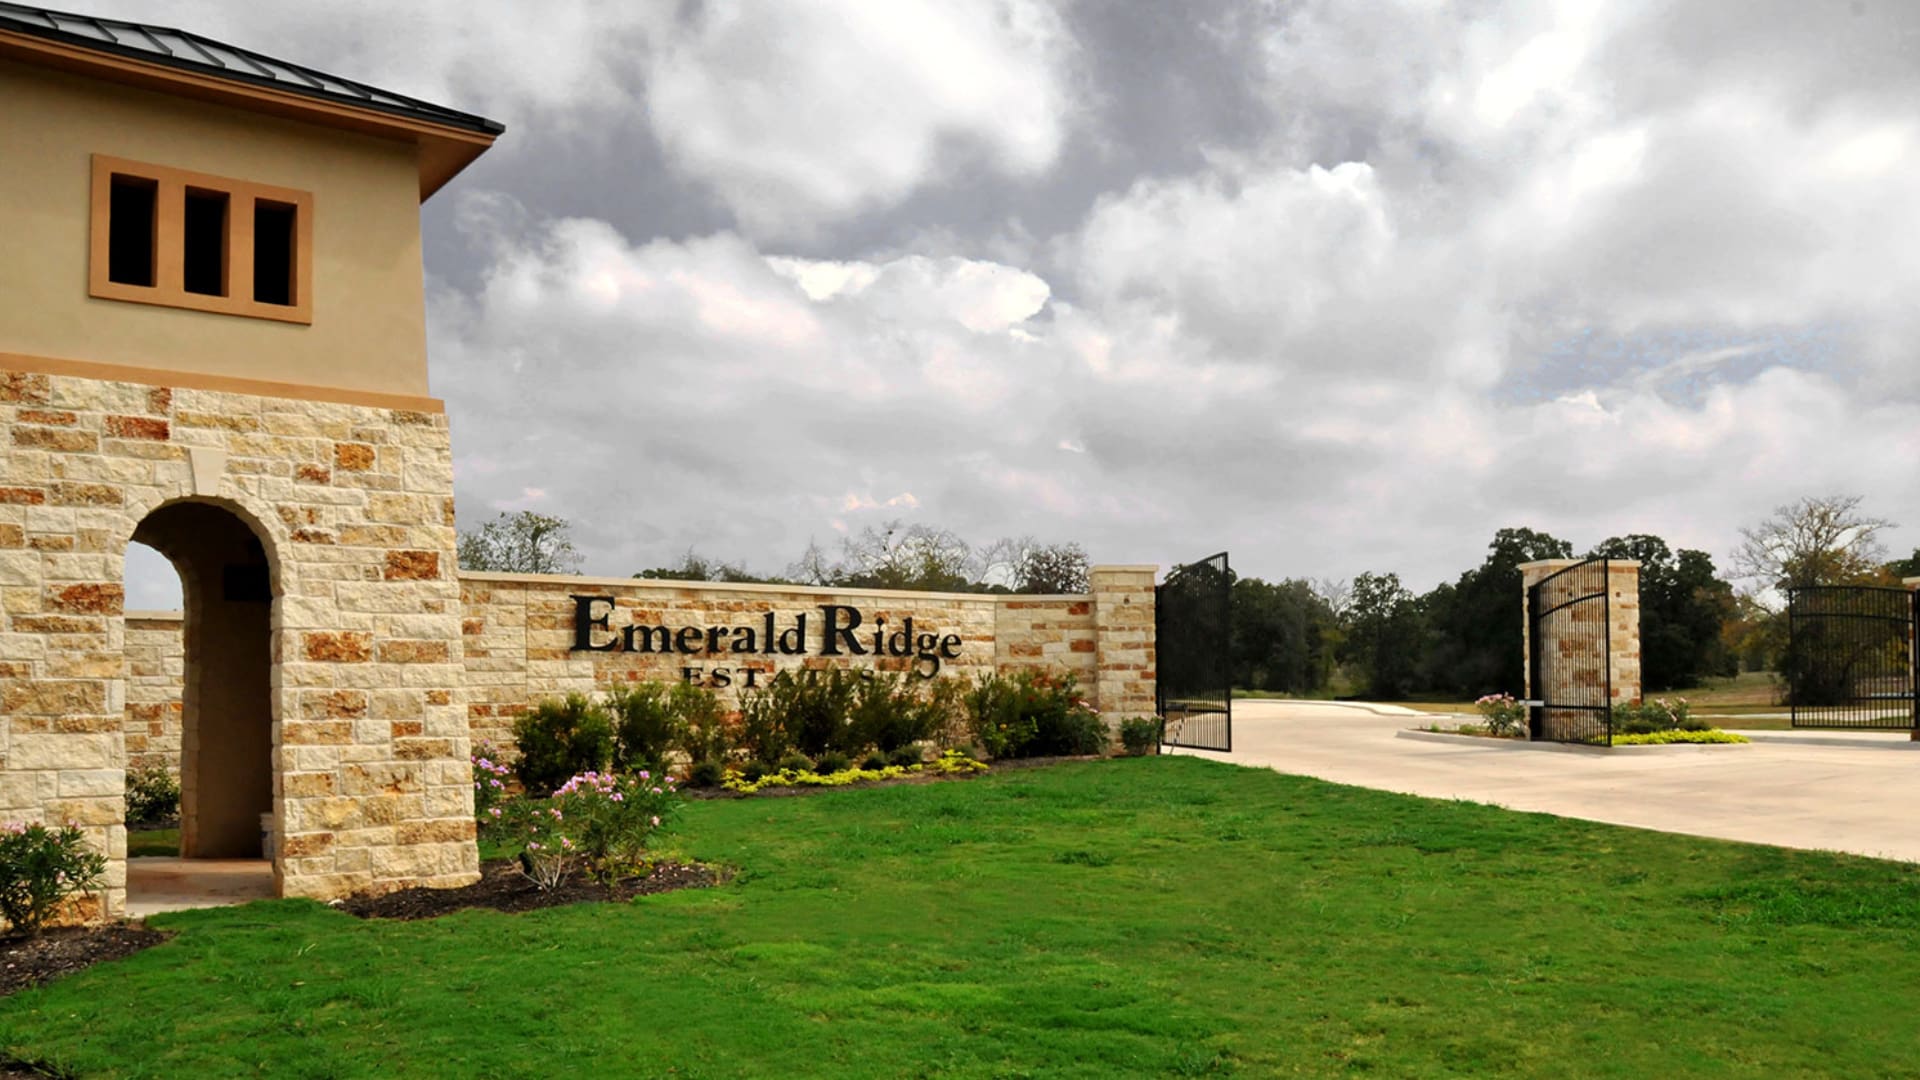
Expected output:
{"points": [[1373, 637], [921, 558]]}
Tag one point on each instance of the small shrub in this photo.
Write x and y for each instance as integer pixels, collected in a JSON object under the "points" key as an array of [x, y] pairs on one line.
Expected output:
{"points": [[489, 788], [647, 726], [874, 760], [754, 770], [1031, 715], [153, 795], [705, 734], [1503, 714], [1660, 714], [833, 761], [605, 821], [706, 774], [906, 755], [763, 720], [559, 739], [795, 762], [1139, 734], [39, 868]]}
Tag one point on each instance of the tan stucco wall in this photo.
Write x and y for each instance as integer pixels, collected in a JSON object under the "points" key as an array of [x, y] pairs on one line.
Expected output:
{"points": [[368, 331]]}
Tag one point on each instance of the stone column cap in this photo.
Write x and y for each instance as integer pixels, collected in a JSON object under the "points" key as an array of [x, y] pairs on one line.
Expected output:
{"points": [[1128, 568], [1561, 564], [1911, 582]]}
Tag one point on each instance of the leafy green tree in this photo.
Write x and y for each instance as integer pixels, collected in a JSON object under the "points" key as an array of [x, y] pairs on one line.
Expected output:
{"points": [[1472, 646], [521, 543], [1385, 629], [1683, 605], [1284, 636]]}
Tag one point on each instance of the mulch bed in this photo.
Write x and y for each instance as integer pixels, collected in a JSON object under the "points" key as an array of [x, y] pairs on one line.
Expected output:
{"points": [[503, 888], [31, 961]]}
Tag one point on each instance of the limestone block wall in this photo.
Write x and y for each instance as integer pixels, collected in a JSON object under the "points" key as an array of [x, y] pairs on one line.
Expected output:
{"points": [[1124, 653], [1581, 656], [156, 666], [1047, 633], [353, 506]]}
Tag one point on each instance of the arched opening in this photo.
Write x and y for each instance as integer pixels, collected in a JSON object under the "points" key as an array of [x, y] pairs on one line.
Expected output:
{"points": [[226, 687]]}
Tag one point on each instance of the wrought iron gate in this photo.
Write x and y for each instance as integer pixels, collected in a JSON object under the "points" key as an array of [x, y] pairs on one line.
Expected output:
{"points": [[1850, 657], [1194, 655], [1570, 656]]}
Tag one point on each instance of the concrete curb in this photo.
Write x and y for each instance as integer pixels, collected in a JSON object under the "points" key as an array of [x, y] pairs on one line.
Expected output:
{"points": [[1562, 748], [1810, 739], [1362, 706]]}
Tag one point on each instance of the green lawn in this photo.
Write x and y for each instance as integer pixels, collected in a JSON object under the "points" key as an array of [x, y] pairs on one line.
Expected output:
{"points": [[153, 842], [1158, 916]]}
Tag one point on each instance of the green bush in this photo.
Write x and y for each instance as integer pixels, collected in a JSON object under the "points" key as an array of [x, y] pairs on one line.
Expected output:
{"points": [[1504, 715], [705, 734], [832, 761], [763, 721], [39, 868], [560, 739], [706, 774], [905, 755], [874, 761], [153, 795], [1140, 734], [1660, 714], [647, 726], [795, 762], [1032, 715], [754, 770]]}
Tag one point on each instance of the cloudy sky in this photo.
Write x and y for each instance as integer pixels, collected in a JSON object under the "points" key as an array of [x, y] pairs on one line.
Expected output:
{"points": [[1338, 286]]}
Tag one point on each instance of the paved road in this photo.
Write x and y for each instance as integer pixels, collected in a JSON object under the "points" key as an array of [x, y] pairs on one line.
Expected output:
{"points": [[1851, 792]]}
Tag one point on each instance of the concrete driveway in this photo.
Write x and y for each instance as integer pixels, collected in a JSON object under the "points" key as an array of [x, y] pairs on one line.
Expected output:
{"points": [[1839, 792]]}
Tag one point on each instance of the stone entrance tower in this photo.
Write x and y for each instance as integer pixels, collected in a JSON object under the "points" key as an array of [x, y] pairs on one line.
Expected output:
{"points": [[212, 340]]}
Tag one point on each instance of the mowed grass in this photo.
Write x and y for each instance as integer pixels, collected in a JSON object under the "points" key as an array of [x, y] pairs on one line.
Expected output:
{"points": [[1158, 916]]}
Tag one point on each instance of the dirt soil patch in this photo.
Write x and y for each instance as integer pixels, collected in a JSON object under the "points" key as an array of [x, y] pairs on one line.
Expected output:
{"points": [[503, 888], [31, 961]]}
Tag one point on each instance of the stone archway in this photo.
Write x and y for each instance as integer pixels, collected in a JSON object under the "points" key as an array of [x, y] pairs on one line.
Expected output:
{"points": [[227, 773]]}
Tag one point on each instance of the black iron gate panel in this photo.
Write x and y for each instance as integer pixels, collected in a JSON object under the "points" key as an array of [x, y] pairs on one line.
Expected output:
{"points": [[1570, 643], [1850, 657], [1194, 655]]}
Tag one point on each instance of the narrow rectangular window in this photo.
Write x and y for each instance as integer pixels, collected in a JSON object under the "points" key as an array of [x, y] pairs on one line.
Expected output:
{"points": [[131, 219], [204, 242], [274, 255]]}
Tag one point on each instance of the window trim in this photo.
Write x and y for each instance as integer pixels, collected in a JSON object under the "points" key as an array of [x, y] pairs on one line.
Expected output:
{"points": [[169, 287]]}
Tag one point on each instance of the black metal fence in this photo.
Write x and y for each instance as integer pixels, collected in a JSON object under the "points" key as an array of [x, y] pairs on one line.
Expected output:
{"points": [[1570, 656], [1850, 658], [1194, 655]]}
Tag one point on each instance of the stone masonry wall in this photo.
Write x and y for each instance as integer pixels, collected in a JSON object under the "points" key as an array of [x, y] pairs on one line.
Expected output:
{"points": [[156, 667], [354, 507], [518, 632]]}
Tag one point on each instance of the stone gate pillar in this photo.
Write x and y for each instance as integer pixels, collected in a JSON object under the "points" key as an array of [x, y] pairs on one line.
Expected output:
{"points": [[1569, 668], [1123, 641]]}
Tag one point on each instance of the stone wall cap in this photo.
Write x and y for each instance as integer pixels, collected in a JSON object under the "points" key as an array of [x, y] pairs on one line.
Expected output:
{"points": [[155, 616], [827, 591], [1129, 568], [1911, 582]]}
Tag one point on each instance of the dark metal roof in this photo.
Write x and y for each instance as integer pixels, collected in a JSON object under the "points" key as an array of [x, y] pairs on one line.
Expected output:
{"points": [[191, 52]]}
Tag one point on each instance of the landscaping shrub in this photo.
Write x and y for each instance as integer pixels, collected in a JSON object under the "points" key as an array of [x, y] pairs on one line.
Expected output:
{"points": [[763, 720], [1031, 715], [1504, 715], [874, 760], [906, 755], [795, 762], [646, 725], [816, 709], [706, 774], [833, 761], [1660, 714], [489, 788], [153, 795], [1140, 734], [599, 822], [1679, 735], [705, 735], [559, 739], [39, 868]]}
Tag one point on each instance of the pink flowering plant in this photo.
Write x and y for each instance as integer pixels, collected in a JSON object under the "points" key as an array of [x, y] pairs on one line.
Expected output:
{"points": [[600, 822], [39, 868], [1505, 716], [490, 779]]}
